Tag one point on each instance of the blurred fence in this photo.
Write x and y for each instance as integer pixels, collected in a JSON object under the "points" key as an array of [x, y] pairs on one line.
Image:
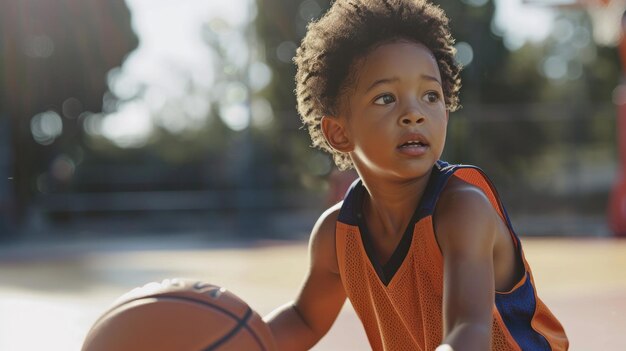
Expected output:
{"points": [[219, 213], [553, 165]]}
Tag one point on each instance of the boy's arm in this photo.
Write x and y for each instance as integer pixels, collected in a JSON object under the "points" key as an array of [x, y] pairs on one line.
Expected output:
{"points": [[300, 324], [466, 230]]}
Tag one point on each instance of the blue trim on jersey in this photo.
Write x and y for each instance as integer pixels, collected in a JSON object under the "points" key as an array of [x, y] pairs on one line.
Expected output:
{"points": [[347, 211], [439, 175], [517, 309], [441, 172]]}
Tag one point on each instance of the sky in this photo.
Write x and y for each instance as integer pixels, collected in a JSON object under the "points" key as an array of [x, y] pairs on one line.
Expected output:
{"points": [[518, 23], [153, 84]]}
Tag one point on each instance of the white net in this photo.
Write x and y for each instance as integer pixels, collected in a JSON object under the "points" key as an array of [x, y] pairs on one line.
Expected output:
{"points": [[606, 18], [605, 15]]}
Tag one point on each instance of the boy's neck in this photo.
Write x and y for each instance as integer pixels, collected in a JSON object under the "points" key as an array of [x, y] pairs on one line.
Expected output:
{"points": [[389, 206]]}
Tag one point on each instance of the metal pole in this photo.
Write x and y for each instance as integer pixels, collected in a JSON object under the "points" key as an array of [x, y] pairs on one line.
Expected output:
{"points": [[7, 199], [617, 200]]}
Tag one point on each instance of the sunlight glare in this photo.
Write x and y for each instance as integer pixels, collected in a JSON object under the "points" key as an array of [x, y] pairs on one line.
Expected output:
{"points": [[131, 126], [518, 23], [173, 69], [236, 117]]}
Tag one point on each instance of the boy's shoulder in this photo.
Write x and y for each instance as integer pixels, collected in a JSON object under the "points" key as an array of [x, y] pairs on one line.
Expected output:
{"points": [[464, 216], [322, 244], [328, 218], [462, 194]]}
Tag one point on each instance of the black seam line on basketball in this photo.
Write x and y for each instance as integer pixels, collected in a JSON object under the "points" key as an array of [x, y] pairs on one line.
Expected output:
{"points": [[255, 336], [232, 332]]}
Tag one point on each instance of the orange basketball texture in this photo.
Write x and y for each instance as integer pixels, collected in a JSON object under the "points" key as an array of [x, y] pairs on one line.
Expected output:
{"points": [[179, 315]]}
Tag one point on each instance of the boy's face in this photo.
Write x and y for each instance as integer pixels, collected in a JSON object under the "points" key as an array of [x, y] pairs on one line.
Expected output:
{"points": [[397, 120]]}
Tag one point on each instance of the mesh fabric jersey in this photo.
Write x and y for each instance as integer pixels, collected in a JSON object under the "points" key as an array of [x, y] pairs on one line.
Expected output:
{"points": [[400, 303]]}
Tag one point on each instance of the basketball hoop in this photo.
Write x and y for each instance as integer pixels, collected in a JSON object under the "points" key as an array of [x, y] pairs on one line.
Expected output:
{"points": [[605, 15]]}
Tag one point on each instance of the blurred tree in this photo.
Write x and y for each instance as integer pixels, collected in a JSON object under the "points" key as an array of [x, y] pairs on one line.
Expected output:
{"points": [[536, 116], [491, 78], [54, 59], [282, 25], [209, 124]]}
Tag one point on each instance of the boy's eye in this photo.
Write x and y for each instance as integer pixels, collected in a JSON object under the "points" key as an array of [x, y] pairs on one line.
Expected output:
{"points": [[431, 96], [385, 99]]}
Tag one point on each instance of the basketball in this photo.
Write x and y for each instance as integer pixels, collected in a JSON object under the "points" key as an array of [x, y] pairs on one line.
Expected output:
{"points": [[179, 315]]}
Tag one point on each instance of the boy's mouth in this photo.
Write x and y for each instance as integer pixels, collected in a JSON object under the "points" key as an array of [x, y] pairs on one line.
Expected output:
{"points": [[413, 143], [413, 140]]}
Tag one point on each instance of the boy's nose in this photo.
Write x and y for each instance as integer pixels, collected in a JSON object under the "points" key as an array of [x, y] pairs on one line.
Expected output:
{"points": [[412, 117]]}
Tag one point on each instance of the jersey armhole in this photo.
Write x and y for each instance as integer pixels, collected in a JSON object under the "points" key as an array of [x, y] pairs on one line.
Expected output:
{"points": [[478, 178]]}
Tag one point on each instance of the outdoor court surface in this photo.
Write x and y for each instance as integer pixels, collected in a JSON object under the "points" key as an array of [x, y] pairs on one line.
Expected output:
{"points": [[49, 296]]}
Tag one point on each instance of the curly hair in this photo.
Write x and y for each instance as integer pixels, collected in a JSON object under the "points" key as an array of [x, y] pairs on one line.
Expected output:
{"points": [[348, 31]]}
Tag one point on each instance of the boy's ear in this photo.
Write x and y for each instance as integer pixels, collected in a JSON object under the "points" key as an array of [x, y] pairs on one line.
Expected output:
{"points": [[335, 134]]}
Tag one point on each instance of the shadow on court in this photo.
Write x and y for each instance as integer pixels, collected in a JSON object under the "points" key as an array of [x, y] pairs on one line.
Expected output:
{"points": [[50, 295]]}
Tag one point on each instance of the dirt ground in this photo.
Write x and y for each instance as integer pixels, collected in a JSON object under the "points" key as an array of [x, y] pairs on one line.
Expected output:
{"points": [[49, 296]]}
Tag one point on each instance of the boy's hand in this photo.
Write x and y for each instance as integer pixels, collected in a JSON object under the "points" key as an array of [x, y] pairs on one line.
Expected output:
{"points": [[444, 347]]}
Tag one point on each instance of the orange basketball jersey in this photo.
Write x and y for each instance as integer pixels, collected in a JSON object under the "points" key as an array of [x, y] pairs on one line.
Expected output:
{"points": [[400, 302]]}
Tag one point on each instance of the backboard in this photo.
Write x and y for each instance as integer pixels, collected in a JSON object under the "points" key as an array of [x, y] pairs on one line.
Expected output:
{"points": [[606, 16]]}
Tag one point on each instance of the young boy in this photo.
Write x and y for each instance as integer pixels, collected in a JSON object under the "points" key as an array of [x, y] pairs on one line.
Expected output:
{"points": [[423, 249]]}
